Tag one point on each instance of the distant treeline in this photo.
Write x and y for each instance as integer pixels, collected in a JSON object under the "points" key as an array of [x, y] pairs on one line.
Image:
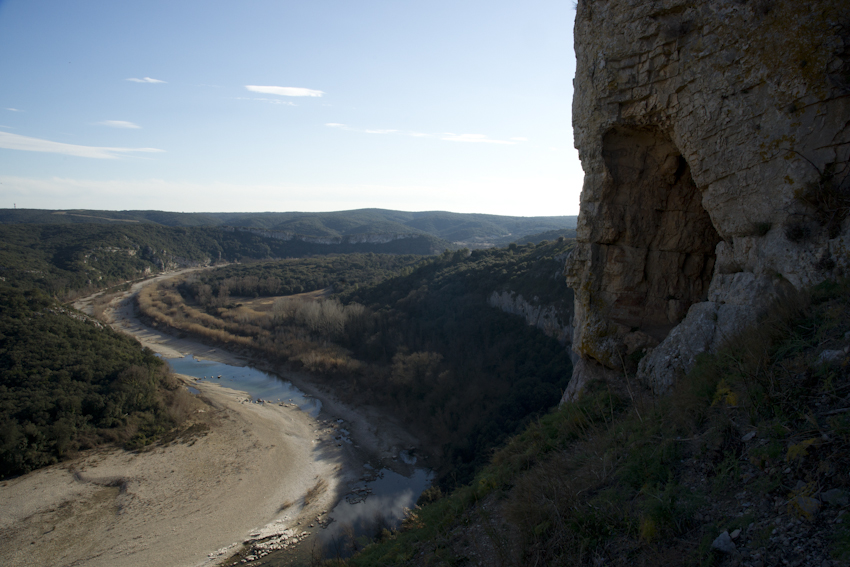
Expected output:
{"points": [[69, 260], [451, 227], [424, 345], [68, 383], [340, 272]]}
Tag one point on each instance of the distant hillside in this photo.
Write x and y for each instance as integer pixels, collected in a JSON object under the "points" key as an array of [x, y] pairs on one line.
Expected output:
{"points": [[68, 259], [471, 230]]}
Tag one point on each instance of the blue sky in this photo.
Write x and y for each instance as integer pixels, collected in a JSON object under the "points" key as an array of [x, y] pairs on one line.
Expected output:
{"points": [[279, 105]]}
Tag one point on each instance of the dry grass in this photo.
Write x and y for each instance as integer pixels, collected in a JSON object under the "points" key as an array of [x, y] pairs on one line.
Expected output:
{"points": [[101, 302], [294, 328], [315, 492]]}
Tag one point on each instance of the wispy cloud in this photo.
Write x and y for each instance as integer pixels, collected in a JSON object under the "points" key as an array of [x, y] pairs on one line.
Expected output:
{"points": [[447, 136], [284, 91], [145, 80], [473, 138], [15, 109], [25, 143], [119, 124], [268, 100]]}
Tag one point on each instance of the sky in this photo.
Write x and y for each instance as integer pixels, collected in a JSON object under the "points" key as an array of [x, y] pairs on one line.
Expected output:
{"points": [[285, 105]]}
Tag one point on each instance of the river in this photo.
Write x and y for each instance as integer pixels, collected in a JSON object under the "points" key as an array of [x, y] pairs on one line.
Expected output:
{"points": [[383, 473]]}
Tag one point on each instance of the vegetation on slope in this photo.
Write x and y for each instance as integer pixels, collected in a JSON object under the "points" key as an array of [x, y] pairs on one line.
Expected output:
{"points": [[68, 383], [69, 260], [341, 273], [753, 443], [534, 271], [425, 344]]}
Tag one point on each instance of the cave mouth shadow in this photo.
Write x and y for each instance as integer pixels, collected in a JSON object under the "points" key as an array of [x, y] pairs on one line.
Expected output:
{"points": [[657, 241]]}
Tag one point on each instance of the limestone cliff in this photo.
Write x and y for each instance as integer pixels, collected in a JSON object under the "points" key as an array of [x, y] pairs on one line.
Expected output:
{"points": [[554, 322], [714, 137]]}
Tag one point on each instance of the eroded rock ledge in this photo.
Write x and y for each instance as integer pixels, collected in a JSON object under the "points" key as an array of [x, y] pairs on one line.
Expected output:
{"points": [[715, 138]]}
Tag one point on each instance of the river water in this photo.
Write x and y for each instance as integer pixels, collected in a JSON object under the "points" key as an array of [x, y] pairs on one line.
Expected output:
{"points": [[377, 501], [258, 385]]}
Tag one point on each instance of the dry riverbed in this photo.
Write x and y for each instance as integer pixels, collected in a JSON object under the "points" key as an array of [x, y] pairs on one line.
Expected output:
{"points": [[249, 472]]}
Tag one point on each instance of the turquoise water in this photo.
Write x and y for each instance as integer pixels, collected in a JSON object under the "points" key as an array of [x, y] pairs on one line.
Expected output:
{"points": [[257, 384]]}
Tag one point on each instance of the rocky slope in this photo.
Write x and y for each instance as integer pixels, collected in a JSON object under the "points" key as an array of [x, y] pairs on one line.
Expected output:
{"points": [[715, 139]]}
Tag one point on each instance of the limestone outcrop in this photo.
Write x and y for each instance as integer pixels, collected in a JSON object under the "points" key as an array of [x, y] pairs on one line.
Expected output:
{"points": [[714, 138], [552, 321]]}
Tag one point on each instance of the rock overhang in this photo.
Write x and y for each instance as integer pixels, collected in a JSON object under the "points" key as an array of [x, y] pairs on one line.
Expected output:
{"points": [[699, 127]]}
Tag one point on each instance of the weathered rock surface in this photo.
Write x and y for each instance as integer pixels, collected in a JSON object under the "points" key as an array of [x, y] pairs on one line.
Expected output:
{"points": [[548, 318], [715, 138], [724, 543]]}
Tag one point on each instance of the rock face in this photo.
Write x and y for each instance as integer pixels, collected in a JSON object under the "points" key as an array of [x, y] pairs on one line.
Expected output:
{"points": [[715, 138], [547, 318]]}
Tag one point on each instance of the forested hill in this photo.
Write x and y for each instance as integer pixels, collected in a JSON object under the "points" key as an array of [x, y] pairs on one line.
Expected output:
{"points": [[64, 260], [465, 229], [69, 383]]}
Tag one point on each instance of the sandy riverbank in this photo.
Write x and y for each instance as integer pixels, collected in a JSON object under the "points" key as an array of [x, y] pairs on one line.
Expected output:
{"points": [[172, 505], [194, 501]]}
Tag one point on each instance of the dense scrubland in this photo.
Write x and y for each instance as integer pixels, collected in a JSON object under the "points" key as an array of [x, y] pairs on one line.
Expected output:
{"points": [[423, 344], [341, 273], [68, 383]]}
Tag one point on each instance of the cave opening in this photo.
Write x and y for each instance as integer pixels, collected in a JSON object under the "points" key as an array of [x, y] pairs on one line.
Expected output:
{"points": [[658, 240]]}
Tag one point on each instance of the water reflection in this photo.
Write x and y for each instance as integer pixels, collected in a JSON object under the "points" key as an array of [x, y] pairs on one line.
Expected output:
{"points": [[257, 384], [377, 502], [370, 507]]}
